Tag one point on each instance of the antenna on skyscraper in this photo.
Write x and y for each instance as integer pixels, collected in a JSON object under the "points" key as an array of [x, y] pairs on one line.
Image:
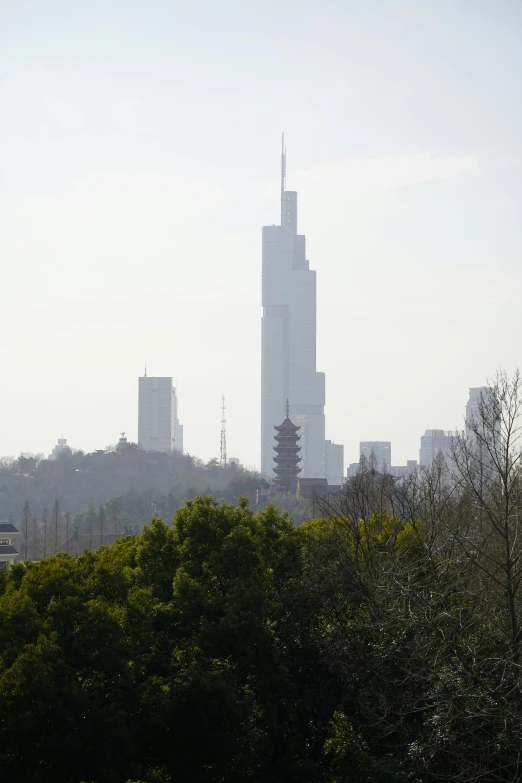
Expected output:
{"points": [[223, 435], [283, 176]]}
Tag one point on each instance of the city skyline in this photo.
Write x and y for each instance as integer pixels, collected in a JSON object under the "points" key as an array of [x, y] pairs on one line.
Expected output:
{"points": [[128, 236]]}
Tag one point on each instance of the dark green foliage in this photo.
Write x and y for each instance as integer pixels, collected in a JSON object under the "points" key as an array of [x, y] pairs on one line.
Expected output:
{"points": [[234, 647]]}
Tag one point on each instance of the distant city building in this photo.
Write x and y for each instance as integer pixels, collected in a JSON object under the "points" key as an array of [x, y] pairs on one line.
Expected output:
{"points": [[314, 488], [378, 450], [352, 469], [234, 461], [334, 455], [287, 455], [401, 471], [435, 442], [158, 422], [178, 428], [8, 553], [472, 408], [288, 351], [59, 448]]}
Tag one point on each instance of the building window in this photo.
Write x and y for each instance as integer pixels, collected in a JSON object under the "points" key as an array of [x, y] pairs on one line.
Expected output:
{"points": [[5, 541]]}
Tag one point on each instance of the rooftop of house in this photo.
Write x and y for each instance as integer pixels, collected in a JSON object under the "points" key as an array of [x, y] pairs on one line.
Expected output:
{"points": [[7, 549], [7, 527]]}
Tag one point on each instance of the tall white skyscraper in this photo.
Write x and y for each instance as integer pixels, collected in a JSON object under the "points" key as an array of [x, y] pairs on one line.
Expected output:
{"points": [[158, 415], [288, 352]]}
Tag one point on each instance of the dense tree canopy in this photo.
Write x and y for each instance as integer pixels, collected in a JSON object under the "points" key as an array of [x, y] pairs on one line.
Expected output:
{"points": [[232, 646]]}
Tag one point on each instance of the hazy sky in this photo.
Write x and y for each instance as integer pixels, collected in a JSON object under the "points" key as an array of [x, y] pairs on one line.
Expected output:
{"points": [[139, 158]]}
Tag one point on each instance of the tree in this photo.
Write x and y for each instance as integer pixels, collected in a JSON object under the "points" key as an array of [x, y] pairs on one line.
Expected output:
{"points": [[91, 515], [103, 524], [57, 526], [488, 472], [35, 537], [44, 524], [26, 520], [67, 530]]}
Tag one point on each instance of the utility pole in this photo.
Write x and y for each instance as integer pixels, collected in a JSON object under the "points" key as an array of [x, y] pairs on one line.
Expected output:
{"points": [[223, 450]]}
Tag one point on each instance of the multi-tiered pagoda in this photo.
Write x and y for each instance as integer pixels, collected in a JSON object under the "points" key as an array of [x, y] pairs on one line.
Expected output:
{"points": [[287, 457]]}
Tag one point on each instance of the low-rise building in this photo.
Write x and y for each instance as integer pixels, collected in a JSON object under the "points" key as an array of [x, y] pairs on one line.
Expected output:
{"points": [[8, 552]]}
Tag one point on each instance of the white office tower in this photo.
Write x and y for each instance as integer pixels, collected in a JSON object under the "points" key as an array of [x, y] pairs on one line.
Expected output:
{"points": [[288, 351], [378, 451], [435, 442], [157, 415], [476, 394], [334, 454]]}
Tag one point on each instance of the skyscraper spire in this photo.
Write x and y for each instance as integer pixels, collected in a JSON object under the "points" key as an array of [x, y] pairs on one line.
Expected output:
{"points": [[223, 449], [283, 176]]}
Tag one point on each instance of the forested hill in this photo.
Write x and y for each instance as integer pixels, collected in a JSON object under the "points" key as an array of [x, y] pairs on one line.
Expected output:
{"points": [[78, 480]]}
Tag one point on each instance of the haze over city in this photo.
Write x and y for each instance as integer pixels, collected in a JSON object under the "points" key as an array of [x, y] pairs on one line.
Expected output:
{"points": [[141, 158]]}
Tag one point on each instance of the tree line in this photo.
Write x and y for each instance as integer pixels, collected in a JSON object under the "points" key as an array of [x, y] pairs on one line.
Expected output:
{"points": [[57, 532], [78, 479], [54, 531]]}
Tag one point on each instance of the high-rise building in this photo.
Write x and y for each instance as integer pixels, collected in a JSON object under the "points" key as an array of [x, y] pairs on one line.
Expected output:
{"points": [[158, 422], [288, 352], [435, 442], [402, 471], [378, 450], [476, 395], [334, 455]]}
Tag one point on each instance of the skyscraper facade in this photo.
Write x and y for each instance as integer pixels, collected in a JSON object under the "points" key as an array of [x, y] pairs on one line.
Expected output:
{"points": [[334, 457], [378, 450], [157, 414], [435, 442], [477, 395], [288, 350]]}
